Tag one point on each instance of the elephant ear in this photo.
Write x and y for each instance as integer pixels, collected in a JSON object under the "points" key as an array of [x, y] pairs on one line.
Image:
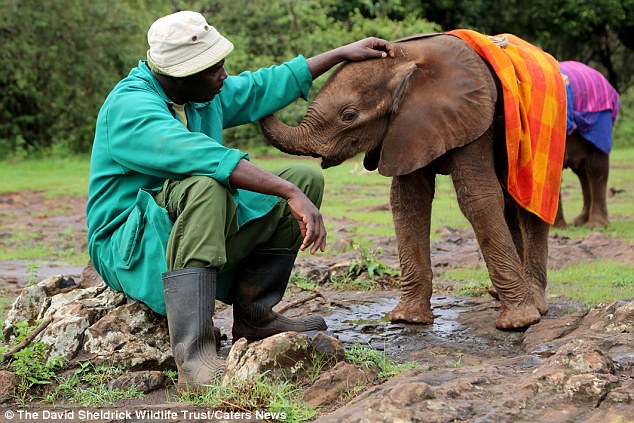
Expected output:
{"points": [[444, 99]]}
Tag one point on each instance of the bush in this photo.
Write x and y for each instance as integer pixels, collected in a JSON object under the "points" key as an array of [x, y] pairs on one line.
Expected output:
{"points": [[60, 59]]}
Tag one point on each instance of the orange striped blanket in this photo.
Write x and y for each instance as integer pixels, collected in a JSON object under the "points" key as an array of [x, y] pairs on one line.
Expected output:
{"points": [[535, 113]]}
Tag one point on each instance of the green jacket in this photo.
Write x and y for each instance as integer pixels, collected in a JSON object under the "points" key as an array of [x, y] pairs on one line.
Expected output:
{"points": [[139, 143]]}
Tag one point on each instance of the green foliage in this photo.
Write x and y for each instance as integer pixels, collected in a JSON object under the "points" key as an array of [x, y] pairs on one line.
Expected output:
{"points": [[471, 282], [3, 348], [370, 264], [55, 89], [371, 358], [320, 362], [596, 32], [60, 58], [89, 385], [31, 273], [302, 282], [258, 393], [31, 364], [624, 127], [564, 28]]}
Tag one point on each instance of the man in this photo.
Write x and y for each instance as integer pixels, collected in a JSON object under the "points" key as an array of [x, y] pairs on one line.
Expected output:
{"points": [[166, 197]]}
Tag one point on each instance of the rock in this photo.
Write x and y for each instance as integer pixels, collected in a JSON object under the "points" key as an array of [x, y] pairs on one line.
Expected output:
{"points": [[143, 381], [130, 335], [8, 385], [588, 389], [327, 345], [28, 306], [89, 276], [398, 400], [91, 320], [314, 272], [335, 383], [543, 336], [286, 355], [579, 379]]}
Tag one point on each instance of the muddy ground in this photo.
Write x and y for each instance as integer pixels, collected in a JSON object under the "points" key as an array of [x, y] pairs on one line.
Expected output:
{"points": [[462, 336]]}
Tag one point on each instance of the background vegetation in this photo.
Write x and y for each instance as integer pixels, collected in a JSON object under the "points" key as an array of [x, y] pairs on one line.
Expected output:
{"points": [[61, 58]]}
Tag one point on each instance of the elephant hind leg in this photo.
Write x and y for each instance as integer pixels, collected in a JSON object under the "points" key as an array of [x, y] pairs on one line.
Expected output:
{"points": [[597, 171], [592, 167], [582, 218], [535, 256], [481, 200]]}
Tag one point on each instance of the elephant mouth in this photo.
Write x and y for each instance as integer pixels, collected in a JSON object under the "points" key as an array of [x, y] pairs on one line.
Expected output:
{"points": [[327, 162]]}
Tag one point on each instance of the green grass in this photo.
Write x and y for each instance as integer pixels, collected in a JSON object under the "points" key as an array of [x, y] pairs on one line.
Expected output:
{"points": [[67, 177], [592, 283], [89, 386], [259, 392], [589, 283]]}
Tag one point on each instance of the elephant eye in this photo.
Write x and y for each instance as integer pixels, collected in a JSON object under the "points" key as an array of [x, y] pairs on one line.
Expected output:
{"points": [[348, 116]]}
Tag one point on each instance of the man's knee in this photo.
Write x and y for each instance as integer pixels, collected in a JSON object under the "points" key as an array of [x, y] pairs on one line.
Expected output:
{"points": [[195, 192], [307, 178], [202, 187]]}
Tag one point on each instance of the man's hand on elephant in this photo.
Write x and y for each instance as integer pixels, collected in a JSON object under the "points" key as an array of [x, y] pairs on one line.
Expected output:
{"points": [[368, 48], [310, 220]]}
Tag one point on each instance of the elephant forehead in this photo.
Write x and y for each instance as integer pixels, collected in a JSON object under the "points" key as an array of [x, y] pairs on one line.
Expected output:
{"points": [[360, 75]]}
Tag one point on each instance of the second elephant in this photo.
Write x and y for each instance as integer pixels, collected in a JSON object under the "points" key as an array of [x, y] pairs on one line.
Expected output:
{"points": [[437, 108], [593, 106]]}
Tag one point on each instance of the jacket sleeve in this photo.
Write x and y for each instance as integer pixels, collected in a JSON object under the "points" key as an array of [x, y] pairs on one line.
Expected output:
{"points": [[250, 96], [144, 137]]}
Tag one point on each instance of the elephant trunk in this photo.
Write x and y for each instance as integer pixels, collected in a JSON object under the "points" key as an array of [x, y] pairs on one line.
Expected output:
{"points": [[296, 140]]}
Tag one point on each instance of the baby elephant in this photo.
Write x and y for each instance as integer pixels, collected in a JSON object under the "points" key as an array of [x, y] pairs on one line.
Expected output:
{"points": [[437, 108], [593, 106]]}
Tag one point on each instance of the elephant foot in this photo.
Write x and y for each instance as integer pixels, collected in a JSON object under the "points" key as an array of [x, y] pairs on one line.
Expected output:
{"points": [[517, 317], [580, 220], [411, 312], [539, 298], [597, 222]]}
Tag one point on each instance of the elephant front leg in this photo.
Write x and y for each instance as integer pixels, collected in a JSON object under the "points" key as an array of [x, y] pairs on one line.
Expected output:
{"points": [[411, 197]]}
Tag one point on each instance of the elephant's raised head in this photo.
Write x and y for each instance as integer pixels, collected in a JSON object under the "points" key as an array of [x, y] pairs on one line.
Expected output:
{"points": [[435, 95]]}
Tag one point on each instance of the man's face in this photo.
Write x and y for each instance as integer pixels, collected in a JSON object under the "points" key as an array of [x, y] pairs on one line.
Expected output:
{"points": [[205, 85]]}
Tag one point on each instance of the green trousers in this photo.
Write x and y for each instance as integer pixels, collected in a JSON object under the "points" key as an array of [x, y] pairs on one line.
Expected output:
{"points": [[206, 232]]}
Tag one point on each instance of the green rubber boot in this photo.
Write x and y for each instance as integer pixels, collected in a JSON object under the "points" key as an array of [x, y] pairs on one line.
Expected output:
{"points": [[258, 286], [190, 296]]}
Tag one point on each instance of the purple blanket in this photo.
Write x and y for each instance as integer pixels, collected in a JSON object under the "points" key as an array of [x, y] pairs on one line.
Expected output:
{"points": [[593, 104]]}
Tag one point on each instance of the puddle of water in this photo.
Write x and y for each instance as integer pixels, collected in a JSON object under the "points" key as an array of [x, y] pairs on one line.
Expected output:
{"points": [[366, 323], [363, 320]]}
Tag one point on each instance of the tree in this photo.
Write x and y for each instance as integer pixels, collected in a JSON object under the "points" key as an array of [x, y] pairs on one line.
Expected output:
{"points": [[59, 60], [597, 32]]}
